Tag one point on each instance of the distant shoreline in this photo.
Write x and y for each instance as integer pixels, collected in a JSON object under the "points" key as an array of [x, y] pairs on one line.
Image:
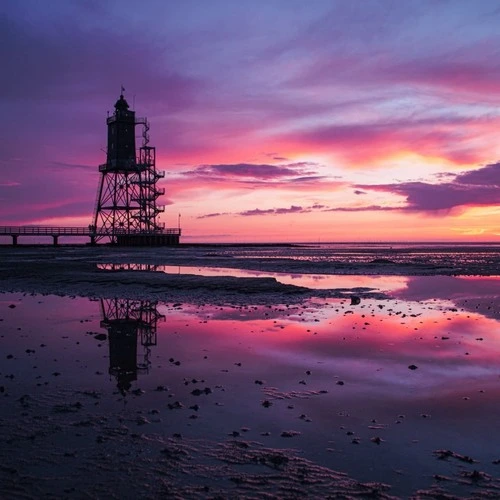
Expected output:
{"points": [[419, 244]]}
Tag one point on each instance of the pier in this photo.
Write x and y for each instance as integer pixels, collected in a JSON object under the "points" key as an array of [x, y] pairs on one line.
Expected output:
{"points": [[169, 236]]}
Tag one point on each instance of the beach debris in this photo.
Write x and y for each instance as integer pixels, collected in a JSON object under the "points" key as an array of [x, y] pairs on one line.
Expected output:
{"points": [[445, 454], [439, 477], [12, 306], [355, 300], [289, 434], [340, 382], [141, 420], [376, 440], [266, 403], [175, 406], [199, 392], [101, 336], [412, 367], [475, 475], [259, 382]]}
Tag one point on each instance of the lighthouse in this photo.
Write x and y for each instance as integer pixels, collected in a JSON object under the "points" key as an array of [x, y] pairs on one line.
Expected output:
{"points": [[127, 209]]}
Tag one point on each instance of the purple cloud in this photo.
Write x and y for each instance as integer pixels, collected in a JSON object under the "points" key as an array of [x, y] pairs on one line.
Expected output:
{"points": [[367, 208], [274, 211], [479, 187], [209, 216], [248, 170]]}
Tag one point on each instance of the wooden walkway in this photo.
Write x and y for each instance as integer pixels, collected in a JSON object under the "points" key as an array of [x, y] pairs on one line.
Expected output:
{"points": [[56, 231]]}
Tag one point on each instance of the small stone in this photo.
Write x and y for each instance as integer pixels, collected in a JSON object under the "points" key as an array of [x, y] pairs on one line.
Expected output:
{"points": [[289, 434]]}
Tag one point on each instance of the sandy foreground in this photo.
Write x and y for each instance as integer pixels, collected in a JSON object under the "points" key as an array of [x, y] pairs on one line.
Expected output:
{"points": [[119, 382]]}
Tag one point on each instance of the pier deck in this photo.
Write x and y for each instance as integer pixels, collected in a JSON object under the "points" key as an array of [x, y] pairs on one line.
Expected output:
{"points": [[168, 236]]}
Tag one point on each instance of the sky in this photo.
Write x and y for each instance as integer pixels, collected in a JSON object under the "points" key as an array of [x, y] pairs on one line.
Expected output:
{"points": [[274, 120]]}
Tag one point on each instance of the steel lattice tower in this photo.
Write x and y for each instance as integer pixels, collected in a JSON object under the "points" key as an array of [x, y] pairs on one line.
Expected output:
{"points": [[126, 209]]}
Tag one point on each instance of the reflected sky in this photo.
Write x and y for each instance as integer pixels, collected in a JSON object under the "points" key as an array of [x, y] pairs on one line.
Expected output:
{"points": [[420, 372], [313, 281]]}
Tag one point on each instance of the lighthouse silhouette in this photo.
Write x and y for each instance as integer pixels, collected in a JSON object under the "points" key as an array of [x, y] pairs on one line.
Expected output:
{"points": [[126, 210]]}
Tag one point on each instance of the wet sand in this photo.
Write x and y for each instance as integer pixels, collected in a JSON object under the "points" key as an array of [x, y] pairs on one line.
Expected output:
{"points": [[150, 390]]}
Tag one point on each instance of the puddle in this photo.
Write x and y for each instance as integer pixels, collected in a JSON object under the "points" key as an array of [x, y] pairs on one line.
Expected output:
{"points": [[312, 281]]}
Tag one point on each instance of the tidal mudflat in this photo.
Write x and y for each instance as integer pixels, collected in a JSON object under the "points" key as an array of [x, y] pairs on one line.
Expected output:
{"points": [[386, 387]]}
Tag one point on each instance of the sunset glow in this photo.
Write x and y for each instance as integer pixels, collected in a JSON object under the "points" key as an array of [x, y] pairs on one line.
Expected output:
{"points": [[283, 121]]}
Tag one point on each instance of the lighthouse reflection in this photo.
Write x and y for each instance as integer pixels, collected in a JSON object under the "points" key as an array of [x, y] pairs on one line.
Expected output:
{"points": [[132, 327]]}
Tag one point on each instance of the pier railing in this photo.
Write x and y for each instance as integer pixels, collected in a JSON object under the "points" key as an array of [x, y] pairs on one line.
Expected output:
{"points": [[45, 230], [56, 231]]}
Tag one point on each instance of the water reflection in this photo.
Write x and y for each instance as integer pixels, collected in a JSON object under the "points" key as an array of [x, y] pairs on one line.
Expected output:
{"points": [[326, 377], [470, 293], [308, 280], [129, 322]]}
